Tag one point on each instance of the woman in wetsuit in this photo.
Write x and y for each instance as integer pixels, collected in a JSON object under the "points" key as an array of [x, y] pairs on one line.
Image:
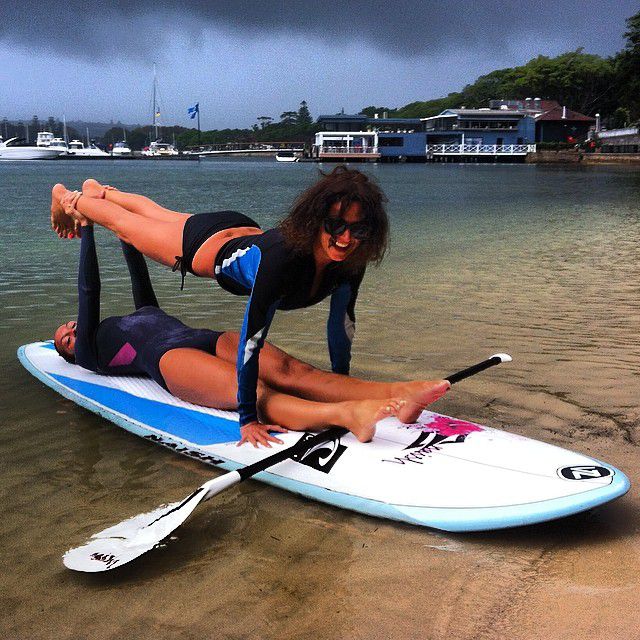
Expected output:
{"points": [[333, 230]]}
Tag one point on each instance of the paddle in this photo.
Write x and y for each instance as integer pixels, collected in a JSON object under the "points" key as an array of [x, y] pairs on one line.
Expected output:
{"points": [[124, 542]]}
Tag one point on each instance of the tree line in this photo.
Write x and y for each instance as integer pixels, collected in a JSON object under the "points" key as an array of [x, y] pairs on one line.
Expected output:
{"points": [[583, 82]]}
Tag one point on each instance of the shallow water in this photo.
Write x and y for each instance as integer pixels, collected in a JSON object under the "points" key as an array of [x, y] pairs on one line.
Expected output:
{"points": [[541, 262]]}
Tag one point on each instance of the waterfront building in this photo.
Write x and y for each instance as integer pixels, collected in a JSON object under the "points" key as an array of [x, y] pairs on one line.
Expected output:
{"points": [[553, 122], [477, 134], [619, 140], [359, 137]]}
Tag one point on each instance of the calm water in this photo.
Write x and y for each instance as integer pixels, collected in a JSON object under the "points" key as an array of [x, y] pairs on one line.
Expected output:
{"points": [[541, 262]]}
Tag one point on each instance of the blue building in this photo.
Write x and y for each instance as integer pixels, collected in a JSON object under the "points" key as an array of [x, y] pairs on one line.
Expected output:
{"points": [[480, 133], [453, 135], [359, 137]]}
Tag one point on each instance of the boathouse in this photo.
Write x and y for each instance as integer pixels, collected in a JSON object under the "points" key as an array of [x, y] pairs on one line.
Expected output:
{"points": [[359, 137], [479, 134]]}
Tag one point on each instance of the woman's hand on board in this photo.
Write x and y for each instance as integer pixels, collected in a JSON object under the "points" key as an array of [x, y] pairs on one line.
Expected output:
{"points": [[257, 433]]}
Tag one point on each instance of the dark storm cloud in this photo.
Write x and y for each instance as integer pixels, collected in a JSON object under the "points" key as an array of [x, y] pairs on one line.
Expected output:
{"points": [[126, 30]]}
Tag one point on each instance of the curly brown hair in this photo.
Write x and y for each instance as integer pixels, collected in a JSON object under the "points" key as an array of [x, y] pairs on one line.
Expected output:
{"points": [[300, 227]]}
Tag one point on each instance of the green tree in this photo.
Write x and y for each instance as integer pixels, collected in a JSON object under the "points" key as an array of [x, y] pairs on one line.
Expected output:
{"points": [[628, 68], [288, 118], [304, 116]]}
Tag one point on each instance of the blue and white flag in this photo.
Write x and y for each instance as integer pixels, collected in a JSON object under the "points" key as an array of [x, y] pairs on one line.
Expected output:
{"points": [[193, 111]]}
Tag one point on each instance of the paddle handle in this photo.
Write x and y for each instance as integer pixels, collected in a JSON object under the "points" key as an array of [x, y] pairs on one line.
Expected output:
{"points": [[294, 452], [477, 368]]}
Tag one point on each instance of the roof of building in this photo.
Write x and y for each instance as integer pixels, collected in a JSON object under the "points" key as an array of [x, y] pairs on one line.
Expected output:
{"points": [[562, 113], [344, 116], [485, 112], [361, 117]]}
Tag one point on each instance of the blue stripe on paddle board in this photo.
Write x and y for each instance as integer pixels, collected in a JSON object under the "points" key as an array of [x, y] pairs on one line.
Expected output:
{"points": [[186, 424]]}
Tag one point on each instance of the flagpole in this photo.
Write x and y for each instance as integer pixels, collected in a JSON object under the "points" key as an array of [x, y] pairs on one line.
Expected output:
{"points": [[198, 124]]}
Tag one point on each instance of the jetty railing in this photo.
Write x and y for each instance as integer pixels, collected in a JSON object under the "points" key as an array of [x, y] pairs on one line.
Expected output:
{"points": [[480, 149], [350, 150]]}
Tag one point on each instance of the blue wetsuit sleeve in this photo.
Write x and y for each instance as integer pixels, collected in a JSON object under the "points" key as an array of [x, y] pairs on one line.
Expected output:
{"points": [[88, 301], [342, 323], [259, 313], [141, 287]]}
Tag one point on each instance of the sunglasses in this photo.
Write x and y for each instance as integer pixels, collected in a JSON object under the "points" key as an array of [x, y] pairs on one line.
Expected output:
{"points": [[337, 226]]}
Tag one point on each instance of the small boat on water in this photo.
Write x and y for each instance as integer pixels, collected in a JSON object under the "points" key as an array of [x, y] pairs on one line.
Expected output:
{"points": [[286, 155], [160, 149], [19, 149], [77, 148], [121, 149]]}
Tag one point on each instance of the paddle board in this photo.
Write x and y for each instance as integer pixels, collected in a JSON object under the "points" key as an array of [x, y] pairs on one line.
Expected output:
{"points": [[441, 472]]}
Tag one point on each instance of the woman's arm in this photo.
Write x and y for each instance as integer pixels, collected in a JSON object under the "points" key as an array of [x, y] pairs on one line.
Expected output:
{"points": [[341, 324], [88, 301], [141, 287]]}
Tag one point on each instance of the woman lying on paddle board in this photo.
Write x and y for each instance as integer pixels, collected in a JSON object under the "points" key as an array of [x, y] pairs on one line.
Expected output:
{"points": [[321, 248], [196, 365]]}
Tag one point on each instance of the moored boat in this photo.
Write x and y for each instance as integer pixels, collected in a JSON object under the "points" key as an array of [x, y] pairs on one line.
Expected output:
{"points": [[121, 149], [160, 149], [19, 149], [78, 149], [286, 155]]}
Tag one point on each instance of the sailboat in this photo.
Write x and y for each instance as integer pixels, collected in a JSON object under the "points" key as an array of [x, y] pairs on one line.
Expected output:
{"points": [[157, 148]]}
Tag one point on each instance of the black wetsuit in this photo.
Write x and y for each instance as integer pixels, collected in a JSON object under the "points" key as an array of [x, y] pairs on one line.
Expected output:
{"points": [[131, 344], [274, 277]]}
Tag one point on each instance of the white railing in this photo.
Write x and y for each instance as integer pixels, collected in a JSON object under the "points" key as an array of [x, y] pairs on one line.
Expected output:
{"points": [[480, 149], [614, 133], [349, 150]]}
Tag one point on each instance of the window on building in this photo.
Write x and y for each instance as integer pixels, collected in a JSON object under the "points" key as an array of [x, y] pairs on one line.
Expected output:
{"points": [[390, 142]]}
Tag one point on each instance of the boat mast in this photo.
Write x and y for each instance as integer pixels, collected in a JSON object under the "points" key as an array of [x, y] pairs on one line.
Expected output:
{"points": [[155, 106]]}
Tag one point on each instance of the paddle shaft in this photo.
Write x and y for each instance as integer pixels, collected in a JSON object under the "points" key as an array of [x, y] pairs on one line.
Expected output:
{"points": [[308, 441], [295, 452], [473, 369]]}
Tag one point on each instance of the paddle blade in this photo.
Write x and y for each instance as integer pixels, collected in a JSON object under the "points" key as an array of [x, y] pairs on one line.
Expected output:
{"points": [[128, 540]]}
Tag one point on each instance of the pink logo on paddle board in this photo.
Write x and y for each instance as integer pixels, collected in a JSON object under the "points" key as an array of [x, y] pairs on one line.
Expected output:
{"points": [[126, 355], [446, 426]]}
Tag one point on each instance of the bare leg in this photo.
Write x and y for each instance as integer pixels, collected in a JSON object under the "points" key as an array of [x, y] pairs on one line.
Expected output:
{"points": [[215, 386], [132, 202], [287, 374], [158, 240]]}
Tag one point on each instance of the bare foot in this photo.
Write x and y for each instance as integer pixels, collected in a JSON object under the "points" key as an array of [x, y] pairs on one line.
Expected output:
{"points": [[366, 413], [62, 223], [419, 398], [93, 189]]}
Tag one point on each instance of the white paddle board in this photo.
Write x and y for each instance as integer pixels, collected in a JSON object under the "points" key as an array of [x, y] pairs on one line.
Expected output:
{"points": [[442, 472]]}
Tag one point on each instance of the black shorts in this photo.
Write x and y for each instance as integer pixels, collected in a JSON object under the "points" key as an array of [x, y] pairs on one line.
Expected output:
{"points": [[199, 228]]}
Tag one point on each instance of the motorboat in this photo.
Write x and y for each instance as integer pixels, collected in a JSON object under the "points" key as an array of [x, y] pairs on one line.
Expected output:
{"points": [[160, 149], [47, 139], [19, 149], [77, 148], [286, 156], [121, 149]]}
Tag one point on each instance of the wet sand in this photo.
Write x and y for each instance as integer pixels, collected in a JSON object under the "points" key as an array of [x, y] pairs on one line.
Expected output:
{"points": [[257, 562], [545, 267]]}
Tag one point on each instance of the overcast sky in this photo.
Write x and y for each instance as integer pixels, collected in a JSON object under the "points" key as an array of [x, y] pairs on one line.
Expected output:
{"points": [[240, 59]]}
